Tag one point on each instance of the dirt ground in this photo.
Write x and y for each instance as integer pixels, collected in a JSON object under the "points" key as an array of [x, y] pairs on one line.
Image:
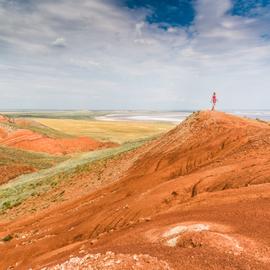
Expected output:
{"points": [[196, 198], [11, 171]]}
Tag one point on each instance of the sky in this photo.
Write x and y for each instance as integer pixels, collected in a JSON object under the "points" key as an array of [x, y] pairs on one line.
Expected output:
{"points": [[134, 54]]}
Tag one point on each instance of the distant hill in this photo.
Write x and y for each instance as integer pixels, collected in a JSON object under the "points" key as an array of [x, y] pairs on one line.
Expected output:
{"points": [[33, 136]]}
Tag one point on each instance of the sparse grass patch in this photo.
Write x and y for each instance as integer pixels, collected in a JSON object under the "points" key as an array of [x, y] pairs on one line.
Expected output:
{"points": [[10, 156], [7, 238], [262, 121], [30, 185], [47, 131], [8, 204]]}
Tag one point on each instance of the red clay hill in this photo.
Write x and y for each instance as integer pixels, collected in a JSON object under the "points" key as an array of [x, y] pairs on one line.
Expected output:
{"points": [[196, 198], [15, 133]]}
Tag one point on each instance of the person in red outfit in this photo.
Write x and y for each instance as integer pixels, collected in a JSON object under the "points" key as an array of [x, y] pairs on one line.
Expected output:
{"points": [[214, 101]]}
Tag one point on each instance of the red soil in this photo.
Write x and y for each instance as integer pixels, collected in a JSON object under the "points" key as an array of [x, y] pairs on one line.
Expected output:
{"points": [[11, 171], [4, 119], [3, 133], [198, 198], [29, 140]]}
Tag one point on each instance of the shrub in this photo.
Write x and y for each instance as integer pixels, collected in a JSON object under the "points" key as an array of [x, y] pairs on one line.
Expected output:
{"points": [[7, 238]]}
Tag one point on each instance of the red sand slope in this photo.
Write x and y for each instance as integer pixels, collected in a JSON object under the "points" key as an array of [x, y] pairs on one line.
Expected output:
{"points": [[4, 119], [29, 140], [198, 199]]}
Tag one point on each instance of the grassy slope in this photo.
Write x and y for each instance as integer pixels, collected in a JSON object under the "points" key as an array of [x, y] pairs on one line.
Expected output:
{"points": [[9, 156], [47, 131], [39, 128], [21, 188], [119, 132], [24, 186]]}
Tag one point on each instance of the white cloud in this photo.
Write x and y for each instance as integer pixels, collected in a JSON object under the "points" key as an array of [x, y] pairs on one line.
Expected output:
{"points": [[84, 63], [116, 55], [59, 42], [139, 26]]}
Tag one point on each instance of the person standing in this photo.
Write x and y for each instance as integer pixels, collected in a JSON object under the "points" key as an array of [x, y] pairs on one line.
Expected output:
{"points": [[214, 101]]}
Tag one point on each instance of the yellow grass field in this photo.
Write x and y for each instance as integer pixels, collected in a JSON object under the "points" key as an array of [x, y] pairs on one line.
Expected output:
{"points": [[115, 131]]}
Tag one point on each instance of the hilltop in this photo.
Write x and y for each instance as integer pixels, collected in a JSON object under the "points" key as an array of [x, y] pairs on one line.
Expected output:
{"points": [[197, 197]]}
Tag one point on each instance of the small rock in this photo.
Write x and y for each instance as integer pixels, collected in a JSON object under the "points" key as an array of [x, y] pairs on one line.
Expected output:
{"points": [[93, 241]]}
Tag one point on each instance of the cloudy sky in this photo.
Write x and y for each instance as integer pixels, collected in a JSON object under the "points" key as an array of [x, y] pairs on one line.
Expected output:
{"points": [[134, 54]]}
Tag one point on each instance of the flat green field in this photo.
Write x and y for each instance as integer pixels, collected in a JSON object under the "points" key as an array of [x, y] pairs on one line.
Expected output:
{"points": [[79, 115], [115, 131]]}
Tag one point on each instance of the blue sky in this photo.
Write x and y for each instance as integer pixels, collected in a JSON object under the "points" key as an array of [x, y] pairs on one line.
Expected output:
{"points": [[165, 13], [127, 54]]}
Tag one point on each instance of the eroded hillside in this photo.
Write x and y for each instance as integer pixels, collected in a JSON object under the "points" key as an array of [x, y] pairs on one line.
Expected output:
{"points": [[196, 198], [33, 136]]}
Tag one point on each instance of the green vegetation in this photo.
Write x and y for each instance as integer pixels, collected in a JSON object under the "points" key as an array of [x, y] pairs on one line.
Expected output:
{"points": [[54, 170], [23, 187], [7, 238], [9, 156], [46, 131], [263, 121], [57, 114]]}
